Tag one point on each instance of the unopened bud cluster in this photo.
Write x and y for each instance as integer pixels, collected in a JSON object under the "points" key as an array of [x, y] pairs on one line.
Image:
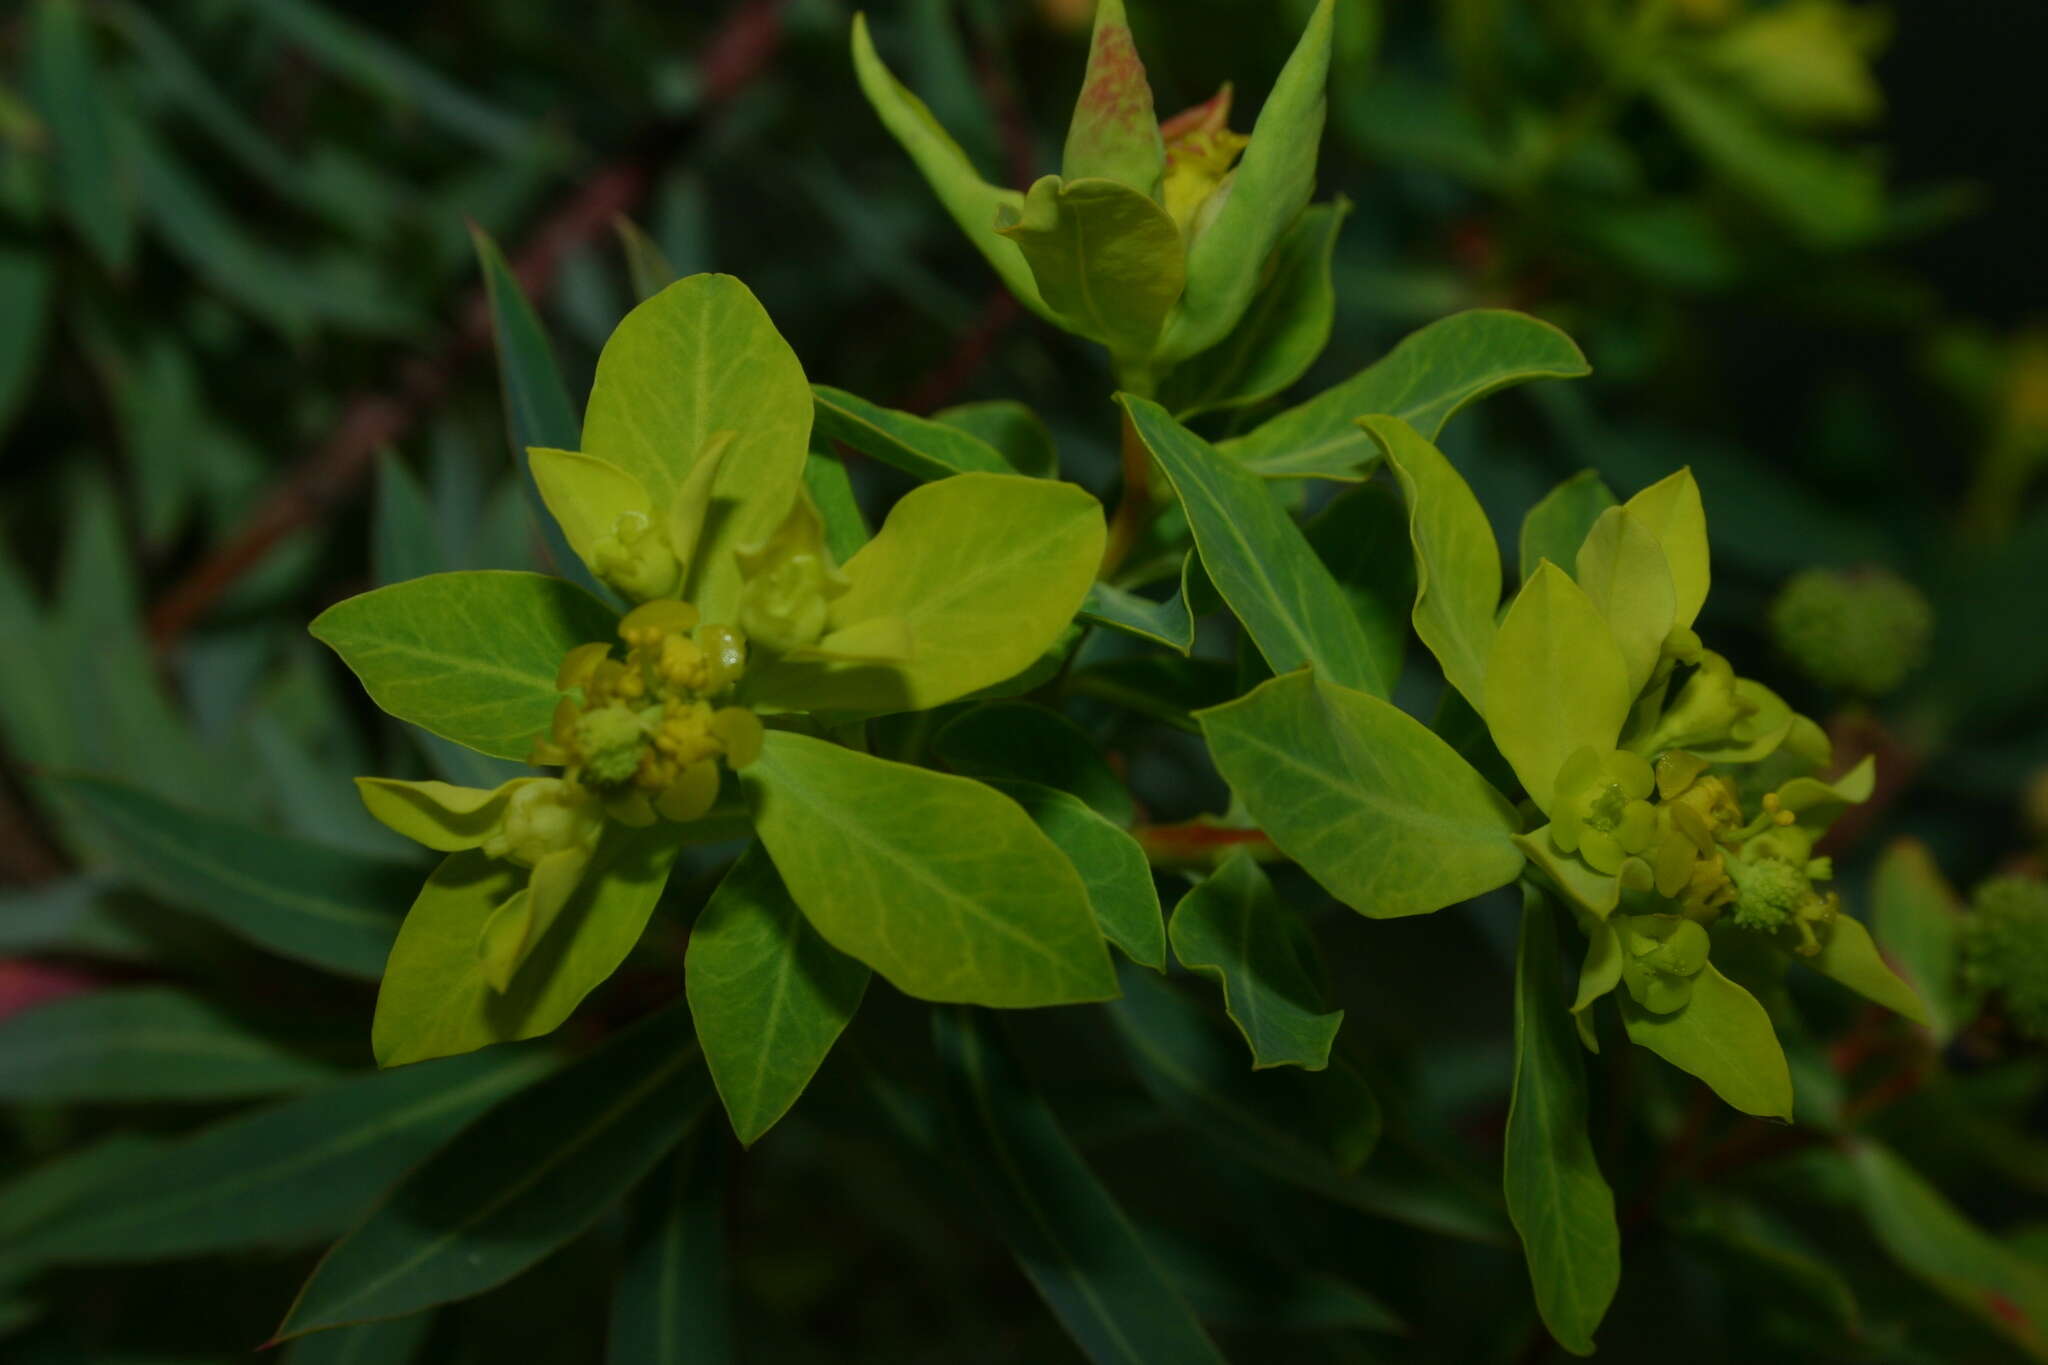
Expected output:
{"points": [[644, 733]]}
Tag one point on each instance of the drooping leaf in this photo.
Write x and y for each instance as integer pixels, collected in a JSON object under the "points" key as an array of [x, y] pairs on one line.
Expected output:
{"points": [[769, 995], [1624, 571], [1066, 1231], [1560, 1203], [1259, 559], [144, 1043], [1457, 560], [1556, 681], [1919, 920], [303, 900], [1014, 739], [701, 358], [1169, 621], [985, 569], [670, 1304], [1427, 379], [1272, 184], [292, 1173], [1848, 955], [1556, 526], [471, 657], [1114, 868], [940, 884], [1363, 796], [436, 1000], [1723, 1037], [523, 1180], [919, 446], [1232, 928], [1108, 260], [1281, 333], [972, 201], [1114, 134]]}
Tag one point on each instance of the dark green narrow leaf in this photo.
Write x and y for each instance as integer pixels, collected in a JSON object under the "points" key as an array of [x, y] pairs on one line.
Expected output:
{"points": [[1232, 928], [1560, 1203], [403, 543], [646, 265], [1231, 1288], [1014, 739], [1362, 535], [1167, 622], [918, 446], [35, 1198], [24, 299], [292, 1173], [1017, 433], [769, 995], [526, 1178], [143, 1043], [1259, 559], [1115, 869], [303, 900], [846, 529], [83, 108], [392, 1342], [1065, 1229], [670, 1304]]}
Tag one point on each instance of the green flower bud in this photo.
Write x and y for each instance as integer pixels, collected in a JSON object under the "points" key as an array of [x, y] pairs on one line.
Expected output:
{"points": [[546, 816], [1772, 893], [609, 739], [789, 582], [1706, 710], [1600, 810], [1200, 151], [636, 559], [2005, 949], [1860, 632], [1661, 954]]}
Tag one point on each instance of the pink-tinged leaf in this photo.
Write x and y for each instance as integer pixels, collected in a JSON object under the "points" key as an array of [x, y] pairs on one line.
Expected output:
{"points": [[1115, 134]]}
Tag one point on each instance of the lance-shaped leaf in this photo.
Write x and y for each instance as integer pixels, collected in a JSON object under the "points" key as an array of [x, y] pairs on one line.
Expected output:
{"points": [[335, 910], [437, 1000], [81, 105], [699, 359], [1017, 433], [1556, 681], [1113, 867], [1066, 1231], [1848, 955], [144, 1043], [1114, 134], [1232, 927], [293, 1173], [529, 1176], [940, 884], [670, 1304], [1281, 333], [1272, 184], [1014, 739], [986, 570], [395, 1341], [1931, 1238], [1561, 1205], [1556, 526], [1457, 560], [470, 656], [1723, 1037], [1107, 258], [1671, 509], [846, 528], [1169, 622], [919, 446], [972, 201], [1624, 571], [1918, 917], [1428, 378], [1259, 559], [770, 996], [1371, 804], [586, 496]]}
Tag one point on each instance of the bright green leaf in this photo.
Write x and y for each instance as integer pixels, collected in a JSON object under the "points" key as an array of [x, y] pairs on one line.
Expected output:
{"points": [[436, 1002], [940, 884], [1556, 681], [1114, 134], [770, 996], [697, 359], [1428, 378], [1113, 867], [470, 656], [919, 446], [1232, 928], [1848, 955], [1671, 509], [987, 569], [1594, 892], [1556, 526], [1457, 560], [1622, 567], [586, 497], [1363, 796], [1723, 1037], [1259, 559], [1066, 1231], [522, 1181], [1108, 260], [1560, 1203]]}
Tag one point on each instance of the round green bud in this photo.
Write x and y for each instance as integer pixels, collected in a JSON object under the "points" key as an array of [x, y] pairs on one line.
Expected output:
{"points": [[1770, 893], [609, 740], [2005, 949], [636, 559], [1859, 631], [543, 817]]}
